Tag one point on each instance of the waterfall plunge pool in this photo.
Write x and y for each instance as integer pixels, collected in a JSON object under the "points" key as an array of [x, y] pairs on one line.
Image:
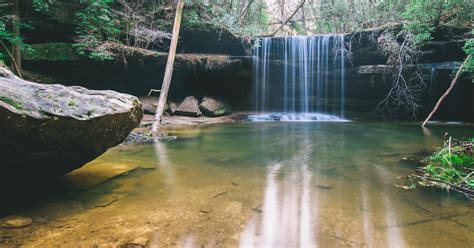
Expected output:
{"points": [[262, 184], [294, 117]]}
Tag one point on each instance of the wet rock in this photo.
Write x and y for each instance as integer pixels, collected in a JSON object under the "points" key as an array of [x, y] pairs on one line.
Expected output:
{"points": [[50, 130], [138, 138], [15, 221], [95, 173], [189, 107], [150, 103], [213, 108]]}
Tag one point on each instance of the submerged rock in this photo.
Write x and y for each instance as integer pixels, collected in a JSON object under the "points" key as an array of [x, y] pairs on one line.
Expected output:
{"points": [[213, 108], [54, 129], [15, 221], [189, 107], [95, 173], [105, 201]]}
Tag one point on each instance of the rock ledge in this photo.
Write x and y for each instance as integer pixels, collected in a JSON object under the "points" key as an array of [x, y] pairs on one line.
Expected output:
{"points": [[54, 129]]}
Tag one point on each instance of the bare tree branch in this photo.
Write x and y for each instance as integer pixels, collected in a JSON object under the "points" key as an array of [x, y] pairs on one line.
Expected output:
{"points": [[289, 18]]}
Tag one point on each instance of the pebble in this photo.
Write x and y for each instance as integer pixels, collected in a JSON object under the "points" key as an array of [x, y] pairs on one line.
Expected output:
{"points": [[205, 210]]}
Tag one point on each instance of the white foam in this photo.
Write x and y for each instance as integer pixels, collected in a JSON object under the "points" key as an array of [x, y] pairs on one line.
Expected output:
{"points": [[295, 117]]}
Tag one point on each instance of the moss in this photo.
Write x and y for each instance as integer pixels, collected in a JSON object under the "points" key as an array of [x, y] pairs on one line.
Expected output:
{"points": [[453, 164], [11, 102], [71, 103], [53, 51]]}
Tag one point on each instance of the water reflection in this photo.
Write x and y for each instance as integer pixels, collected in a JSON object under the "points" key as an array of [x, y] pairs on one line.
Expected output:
{"points": [[260, 185], [288, 218], [161, 155]]}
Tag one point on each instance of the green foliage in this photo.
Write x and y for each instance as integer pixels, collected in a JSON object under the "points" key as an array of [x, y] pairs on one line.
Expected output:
{"points": [[453, 164], [422, 17], [51, 51], [43, 5], [454, 158], [7, 35], [95, 28], [469, 50]]}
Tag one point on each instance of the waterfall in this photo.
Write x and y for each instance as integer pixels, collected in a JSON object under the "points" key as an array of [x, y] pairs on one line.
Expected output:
{"points": [[300, 78]]}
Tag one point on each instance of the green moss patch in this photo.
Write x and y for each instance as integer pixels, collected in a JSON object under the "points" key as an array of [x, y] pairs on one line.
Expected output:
{"points": [[451, 166], [11, 102]]}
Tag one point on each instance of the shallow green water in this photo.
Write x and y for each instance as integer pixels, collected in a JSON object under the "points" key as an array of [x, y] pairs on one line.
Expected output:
{"points": [[261, 185]]}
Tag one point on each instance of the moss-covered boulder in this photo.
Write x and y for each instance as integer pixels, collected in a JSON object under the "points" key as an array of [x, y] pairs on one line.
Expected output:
{"points": [[188, 107], [54, 129], [213, 108]]}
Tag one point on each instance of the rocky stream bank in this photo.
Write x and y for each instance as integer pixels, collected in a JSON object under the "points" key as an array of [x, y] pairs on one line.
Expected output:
{"points": [[53, 129]]}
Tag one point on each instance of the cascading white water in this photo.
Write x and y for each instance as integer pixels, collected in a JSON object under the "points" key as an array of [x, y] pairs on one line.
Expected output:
{"points": [[300, 78]]}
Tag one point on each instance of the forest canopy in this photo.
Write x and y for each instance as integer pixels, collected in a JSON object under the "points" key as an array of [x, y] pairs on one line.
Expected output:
{"points": [[103, 26]]}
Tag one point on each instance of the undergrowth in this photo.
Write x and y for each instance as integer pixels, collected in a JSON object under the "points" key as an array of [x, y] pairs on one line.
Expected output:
{"points": [[452, 164]]}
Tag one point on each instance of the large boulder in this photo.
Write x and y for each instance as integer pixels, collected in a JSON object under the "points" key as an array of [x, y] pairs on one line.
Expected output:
{"points": [[53, 129], [149, 104], [213, 108], [188, 107]]}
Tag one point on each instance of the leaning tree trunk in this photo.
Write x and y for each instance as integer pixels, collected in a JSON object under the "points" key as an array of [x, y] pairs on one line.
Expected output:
{"points": [[169, 69], [451, 86], [12, 58], [16, 31]]}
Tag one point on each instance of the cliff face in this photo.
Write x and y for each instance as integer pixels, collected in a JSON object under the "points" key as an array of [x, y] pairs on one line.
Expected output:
{"points": [[214, 62], [368, 82]]}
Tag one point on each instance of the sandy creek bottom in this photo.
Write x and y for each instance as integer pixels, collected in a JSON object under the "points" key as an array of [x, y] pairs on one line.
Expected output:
{"points": [[254, 185]]}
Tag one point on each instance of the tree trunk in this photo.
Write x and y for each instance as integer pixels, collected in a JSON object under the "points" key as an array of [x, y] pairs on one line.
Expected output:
{"points": [[303, 18], [169, 69], [16, 30], [10, 55], [451, 86], [289, 18]]}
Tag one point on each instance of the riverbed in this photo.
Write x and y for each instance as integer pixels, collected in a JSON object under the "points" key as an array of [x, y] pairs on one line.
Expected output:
{"points": [[265, 184]]}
